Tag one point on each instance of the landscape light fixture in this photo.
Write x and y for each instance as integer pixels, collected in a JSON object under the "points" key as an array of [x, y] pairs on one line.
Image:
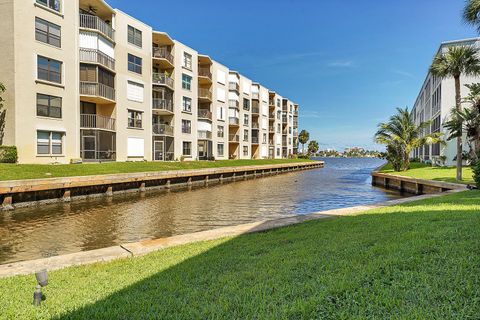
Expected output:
{"points": [[42, 280]]}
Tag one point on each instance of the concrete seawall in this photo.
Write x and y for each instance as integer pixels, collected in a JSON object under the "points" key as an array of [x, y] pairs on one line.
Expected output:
{"points": [[23, 193], [413, 185]]}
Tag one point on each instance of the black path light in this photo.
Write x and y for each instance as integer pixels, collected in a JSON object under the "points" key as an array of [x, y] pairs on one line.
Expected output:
{"points": [[42, 280]]}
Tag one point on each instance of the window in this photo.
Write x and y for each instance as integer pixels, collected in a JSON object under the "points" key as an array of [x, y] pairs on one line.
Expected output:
{"points": [[49, 69], [187, 148], [221, 113], [134, 64], [187, 104], [49, 106], [49, 143], [134, 36], [135, 119], [220, 132], [279, 115], [187, 61], [246, 118], [246, 104], [47, 32], [52, 4], [186, 126], [264, 138], [245, 151], [135, 91], [220, 149], [186, 82], [245, 135]]}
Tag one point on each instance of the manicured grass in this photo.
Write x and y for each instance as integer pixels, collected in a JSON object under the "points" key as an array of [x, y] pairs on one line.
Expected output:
{"points": [[414, 261], [423, 171], [36, 171]]}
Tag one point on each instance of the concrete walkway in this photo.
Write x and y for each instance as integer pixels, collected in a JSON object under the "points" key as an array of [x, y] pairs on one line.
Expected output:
{"points": [[148, 246]]}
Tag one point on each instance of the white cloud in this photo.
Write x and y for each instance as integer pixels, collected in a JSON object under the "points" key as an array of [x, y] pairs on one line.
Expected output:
{"points": [[341, 64]]}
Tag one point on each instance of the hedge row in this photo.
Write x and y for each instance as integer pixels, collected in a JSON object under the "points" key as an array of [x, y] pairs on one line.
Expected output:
{"points": [[8, 154]]}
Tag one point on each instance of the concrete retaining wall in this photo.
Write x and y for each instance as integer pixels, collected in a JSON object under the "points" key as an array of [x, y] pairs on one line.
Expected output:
{"points": [[22, 193], [413, 185]]}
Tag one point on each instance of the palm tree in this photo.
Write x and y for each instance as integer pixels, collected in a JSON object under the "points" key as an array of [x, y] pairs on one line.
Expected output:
{"points": [[313, 147], [455, 62], [303, 138], [401, 136], [471, 13], [2, 114]]}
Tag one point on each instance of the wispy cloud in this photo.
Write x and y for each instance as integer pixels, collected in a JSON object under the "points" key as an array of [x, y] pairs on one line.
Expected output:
{"points": [[403, 73], [341, 64]]}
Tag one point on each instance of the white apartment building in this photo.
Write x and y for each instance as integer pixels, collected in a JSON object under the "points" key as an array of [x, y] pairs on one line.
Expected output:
{"points": [[86, 82], [435, 102]]}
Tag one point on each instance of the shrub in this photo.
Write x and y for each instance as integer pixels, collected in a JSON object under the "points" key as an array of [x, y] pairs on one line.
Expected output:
{"points": [[8, 154], [476, 173], [303, 156]]}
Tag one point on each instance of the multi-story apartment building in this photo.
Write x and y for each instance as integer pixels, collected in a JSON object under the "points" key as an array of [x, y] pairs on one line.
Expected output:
{"points": [[435, 102], [86, 82]]}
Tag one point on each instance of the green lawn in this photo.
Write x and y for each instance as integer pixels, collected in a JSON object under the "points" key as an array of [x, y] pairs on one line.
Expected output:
{"points": [[35, 171], [423, 171], [414, 261]]}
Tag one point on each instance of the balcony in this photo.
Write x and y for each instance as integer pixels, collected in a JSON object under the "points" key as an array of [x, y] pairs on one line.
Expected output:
{"points": [[163, 80], [203, 134], [255, 110], [233, 86], [234, 121], [164, 56], [97, 92], [255, 96], [254, 140], [162, 105], [204, 75], [204, 114], [162, 129], [271, 115], [284, 119], [204, 94], [234, 138], [95, 23], [255, 125], [233, 104], [270, 142], [271, 103], [94, 121], [97, 57], [271, 129]]}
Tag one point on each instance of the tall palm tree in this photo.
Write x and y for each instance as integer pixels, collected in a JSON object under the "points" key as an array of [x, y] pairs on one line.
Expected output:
{"points": [[402, 135], [471, 13], [3, 113], [303, 138], [313, 147], [455, 62]]}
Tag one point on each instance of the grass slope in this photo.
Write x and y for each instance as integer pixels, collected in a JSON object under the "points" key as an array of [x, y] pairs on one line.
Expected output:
{"points": [[423, 171], [415, 261], [37, 171]]}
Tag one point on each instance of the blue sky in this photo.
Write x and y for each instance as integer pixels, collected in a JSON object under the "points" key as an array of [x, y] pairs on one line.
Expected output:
{"points": [[348, 63]]}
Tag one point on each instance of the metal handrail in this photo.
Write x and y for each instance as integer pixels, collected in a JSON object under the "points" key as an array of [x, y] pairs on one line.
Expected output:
{"points": [[97, 89], [96, 56], [162, 104], [163, 53], [163, 79], [162, 129], [204, 114], [204, 93], [88, 21], [94, 121]]}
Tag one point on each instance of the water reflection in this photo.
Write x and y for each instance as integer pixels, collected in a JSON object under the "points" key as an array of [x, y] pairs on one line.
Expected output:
{"points": [[96, 223]]}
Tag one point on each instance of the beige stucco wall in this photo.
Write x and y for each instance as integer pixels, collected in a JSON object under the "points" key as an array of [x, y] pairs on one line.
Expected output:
{"points": [[217, 69]]}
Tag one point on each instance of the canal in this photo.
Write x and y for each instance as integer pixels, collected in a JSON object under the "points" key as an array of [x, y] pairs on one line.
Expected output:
{"points": [[56, 229]]}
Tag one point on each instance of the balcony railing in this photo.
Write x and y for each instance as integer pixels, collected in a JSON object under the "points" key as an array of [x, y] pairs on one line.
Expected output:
{"points": [[284, 119], [97, 89], [255, 110], [234, 121], [270, 142], [162, 129], [163, 53], [162, 104], [94, 121], [204, 114], [96, 56], [93, 22], [271, 103], [255, 95], [205, 72], [271, 115], [233, 86], [233, 104], [163, 79], [204, 93], [233, 138], [271, 129], [203, 134], [254, 140], [255, 125]]}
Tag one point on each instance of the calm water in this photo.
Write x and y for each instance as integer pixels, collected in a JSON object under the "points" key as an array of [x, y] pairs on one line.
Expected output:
{"points": [[49, 230]]}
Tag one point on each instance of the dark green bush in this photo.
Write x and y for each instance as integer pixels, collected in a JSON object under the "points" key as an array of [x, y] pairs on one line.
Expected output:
{"points": [[8, 154], [303, 156], [476, 173]]}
